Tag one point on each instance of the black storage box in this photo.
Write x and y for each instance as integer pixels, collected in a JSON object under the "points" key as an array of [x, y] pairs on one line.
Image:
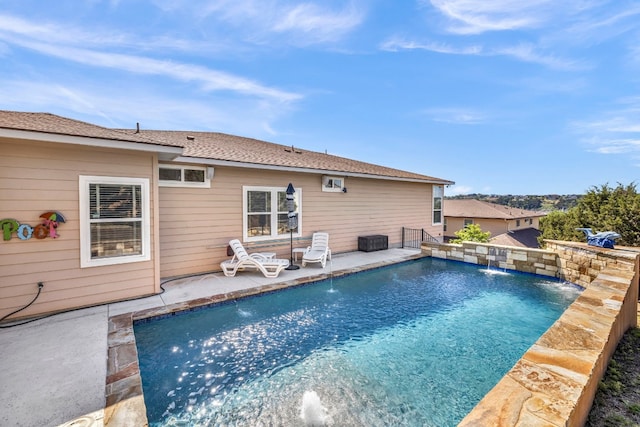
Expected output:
{"points": [[375, 242]]}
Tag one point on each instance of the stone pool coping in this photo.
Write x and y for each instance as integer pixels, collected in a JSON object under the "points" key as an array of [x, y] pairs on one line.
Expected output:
{"points": [[125, 405]]}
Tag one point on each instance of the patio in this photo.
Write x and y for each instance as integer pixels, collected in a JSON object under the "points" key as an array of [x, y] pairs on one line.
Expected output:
{"points": [[55, 369]]}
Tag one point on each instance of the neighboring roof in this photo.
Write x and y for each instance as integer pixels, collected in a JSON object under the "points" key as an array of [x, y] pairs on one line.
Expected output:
{"points": [[47, 123], [527, 238], [240, 151], [472, 208]]}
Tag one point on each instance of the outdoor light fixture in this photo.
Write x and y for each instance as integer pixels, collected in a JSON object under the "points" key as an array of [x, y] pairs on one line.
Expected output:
{"points": [[210, 172], [292, 222]]}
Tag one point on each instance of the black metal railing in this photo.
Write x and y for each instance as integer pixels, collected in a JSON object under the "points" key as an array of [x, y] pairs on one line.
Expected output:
{"points": [[413, 237]]}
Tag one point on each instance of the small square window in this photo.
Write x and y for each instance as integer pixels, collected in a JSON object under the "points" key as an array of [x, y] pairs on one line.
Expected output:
{"points": [[332, 184], [194, 175], [167, 174]]}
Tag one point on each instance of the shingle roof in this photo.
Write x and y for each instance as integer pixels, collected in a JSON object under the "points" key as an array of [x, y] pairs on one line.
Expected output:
{"points": [[472, 208], [53, 124], [211, 146], [224, 147], [527, 238]]}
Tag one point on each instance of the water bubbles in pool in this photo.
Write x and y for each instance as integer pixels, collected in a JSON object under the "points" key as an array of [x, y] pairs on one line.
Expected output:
{"points": [[496, 272], [244, 313], [312, 412]]}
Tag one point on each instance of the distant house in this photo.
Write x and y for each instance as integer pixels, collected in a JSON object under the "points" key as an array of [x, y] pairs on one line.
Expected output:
{"points": [[508, 226], [100, 215]]}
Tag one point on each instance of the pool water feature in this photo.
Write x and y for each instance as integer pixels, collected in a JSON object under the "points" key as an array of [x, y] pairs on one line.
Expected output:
{"points": [[419, 343]]}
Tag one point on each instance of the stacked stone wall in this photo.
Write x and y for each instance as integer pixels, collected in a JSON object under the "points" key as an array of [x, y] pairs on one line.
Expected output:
{"points": [[581, 264], [535, 261]]}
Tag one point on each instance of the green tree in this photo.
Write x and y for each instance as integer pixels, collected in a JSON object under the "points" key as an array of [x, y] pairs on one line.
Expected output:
{"points": [[471, 233], [602, 208], [558, 225]]}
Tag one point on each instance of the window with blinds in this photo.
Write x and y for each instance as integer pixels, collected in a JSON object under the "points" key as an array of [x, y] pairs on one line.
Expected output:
{"points": [[266, 213], [115, 220]]}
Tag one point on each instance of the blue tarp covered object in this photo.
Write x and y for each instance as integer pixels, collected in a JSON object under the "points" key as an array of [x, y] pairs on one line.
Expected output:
{"points": [[604, 239]]}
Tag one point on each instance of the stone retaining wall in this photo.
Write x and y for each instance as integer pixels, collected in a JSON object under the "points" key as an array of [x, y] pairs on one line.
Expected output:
{"points": [[555, 381], [581, 264], [536, 261]]}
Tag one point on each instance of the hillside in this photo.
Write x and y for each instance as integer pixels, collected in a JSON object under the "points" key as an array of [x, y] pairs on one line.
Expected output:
{"points": [[545, 203]]}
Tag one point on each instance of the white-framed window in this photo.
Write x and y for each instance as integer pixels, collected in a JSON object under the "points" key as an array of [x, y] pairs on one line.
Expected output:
{"points": [[438, 194], [114, 220], [265, 213], [517, 223], [184, 176], [332, 184], [467, 222]]}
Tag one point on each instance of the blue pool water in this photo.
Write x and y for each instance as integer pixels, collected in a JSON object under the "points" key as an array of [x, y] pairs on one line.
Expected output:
{"points": [[415, 344]]}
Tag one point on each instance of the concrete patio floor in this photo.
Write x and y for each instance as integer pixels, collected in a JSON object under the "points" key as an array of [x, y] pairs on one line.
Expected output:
{"points": [[54, 369]]}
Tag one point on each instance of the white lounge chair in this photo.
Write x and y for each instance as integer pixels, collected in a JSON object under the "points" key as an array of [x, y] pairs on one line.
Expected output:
{"points": [[269, 266], [318, 251]]}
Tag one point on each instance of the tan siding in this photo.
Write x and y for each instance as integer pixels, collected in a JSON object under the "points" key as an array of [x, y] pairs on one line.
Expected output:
{"points": [[494, 226], [196, 224], [39, 177]]}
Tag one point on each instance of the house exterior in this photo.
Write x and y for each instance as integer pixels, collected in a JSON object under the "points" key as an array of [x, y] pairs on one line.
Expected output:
{"points": [[508, 226], [99, 215]]}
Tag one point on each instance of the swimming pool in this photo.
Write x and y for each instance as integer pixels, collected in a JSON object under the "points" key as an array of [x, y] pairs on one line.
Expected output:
{"points": [[418, 343]]}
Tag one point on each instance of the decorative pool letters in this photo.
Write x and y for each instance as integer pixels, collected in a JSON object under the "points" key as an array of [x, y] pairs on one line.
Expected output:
{"points": [[47, 228]]}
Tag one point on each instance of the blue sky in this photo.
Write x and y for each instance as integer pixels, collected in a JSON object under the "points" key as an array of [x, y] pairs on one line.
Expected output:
{"points": [[500, 96]]}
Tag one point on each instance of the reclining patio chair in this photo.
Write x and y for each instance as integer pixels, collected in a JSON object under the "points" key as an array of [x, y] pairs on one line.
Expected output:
{"points": [[318, 251], [270, 267]]}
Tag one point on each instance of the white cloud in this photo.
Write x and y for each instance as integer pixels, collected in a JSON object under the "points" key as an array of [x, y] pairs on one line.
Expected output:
{"points": [[395, 44], [528, 53], [124, 106], [618, 121], [614, 132], [12, 28], [300, 24], [455, 190], [459, 116], [475, 17], [617, 146], [566, 85], [522, 52], [209, 79], [603, 26], [322, 25]]}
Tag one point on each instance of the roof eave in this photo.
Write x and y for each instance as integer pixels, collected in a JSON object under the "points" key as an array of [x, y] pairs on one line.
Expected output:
{"points": [[493, 217], [166, 152], [229, 163]]}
